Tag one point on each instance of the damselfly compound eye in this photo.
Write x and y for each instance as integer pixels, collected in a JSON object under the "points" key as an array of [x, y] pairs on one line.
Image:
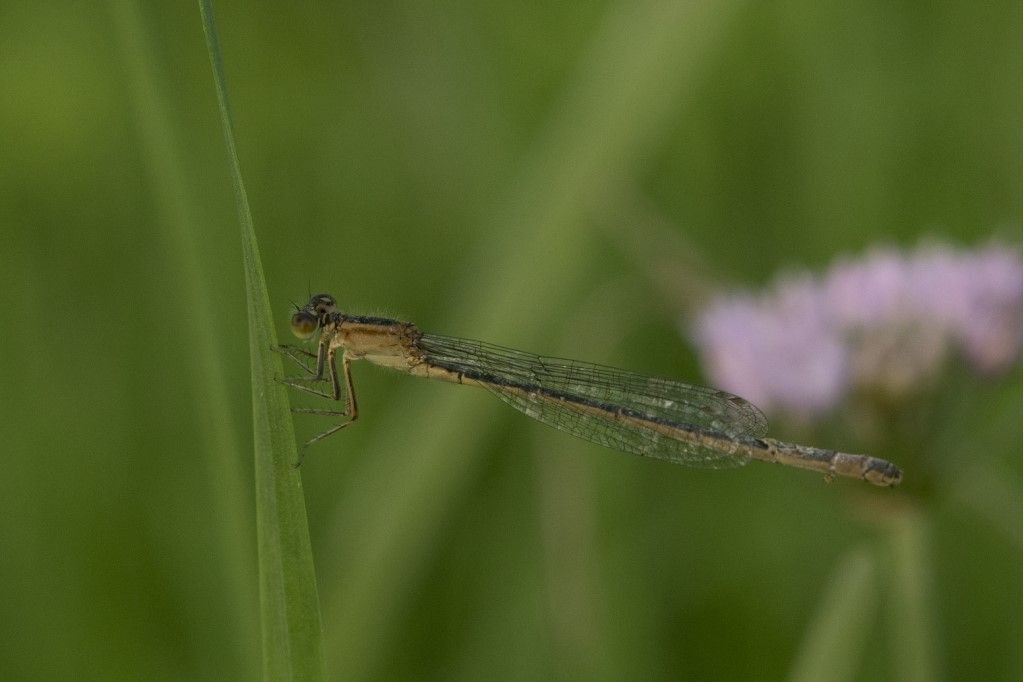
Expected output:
{"points": [[304, 324]]}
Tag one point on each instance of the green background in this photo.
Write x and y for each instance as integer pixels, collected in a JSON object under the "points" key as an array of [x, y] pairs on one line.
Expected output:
{"points": [[565, 178]]}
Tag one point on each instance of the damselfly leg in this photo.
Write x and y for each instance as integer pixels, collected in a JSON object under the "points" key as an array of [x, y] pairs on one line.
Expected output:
{"points": [[324, 359]]}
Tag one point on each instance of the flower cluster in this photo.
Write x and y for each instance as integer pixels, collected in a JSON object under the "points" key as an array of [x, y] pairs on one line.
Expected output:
{"points": [[882, 322]]}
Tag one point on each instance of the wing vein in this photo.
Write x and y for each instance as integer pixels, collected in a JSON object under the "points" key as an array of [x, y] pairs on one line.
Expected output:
{"points": [[605, 405]]}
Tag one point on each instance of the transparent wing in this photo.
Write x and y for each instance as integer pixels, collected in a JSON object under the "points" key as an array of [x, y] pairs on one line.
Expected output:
{"points": [[587, 400]]}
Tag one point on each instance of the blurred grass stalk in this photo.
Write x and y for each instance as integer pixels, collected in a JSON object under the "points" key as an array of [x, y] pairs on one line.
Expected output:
{"points": [[638, 70], [837, 638], [912, 614], [176, 231], [289, 604]]}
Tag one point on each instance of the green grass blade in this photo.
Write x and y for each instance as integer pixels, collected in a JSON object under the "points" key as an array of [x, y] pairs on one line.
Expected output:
{"points": [[289, 605]]}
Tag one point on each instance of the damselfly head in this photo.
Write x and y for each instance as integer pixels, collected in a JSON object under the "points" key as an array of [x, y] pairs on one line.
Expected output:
{"points": [[306, 320], [321, 304]]}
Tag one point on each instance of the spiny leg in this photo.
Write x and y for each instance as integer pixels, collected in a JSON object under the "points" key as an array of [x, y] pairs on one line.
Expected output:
{"points": [[298, 356], [300, 384], [351, 411], [307, 384]]}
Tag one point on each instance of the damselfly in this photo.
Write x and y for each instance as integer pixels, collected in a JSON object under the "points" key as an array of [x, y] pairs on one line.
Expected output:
{"points": [[647, 416]]}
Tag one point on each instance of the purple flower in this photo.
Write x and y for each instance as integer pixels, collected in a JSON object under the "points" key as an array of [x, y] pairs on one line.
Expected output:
{"points": [[884, 322], [776, 353], [991, 334]]}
